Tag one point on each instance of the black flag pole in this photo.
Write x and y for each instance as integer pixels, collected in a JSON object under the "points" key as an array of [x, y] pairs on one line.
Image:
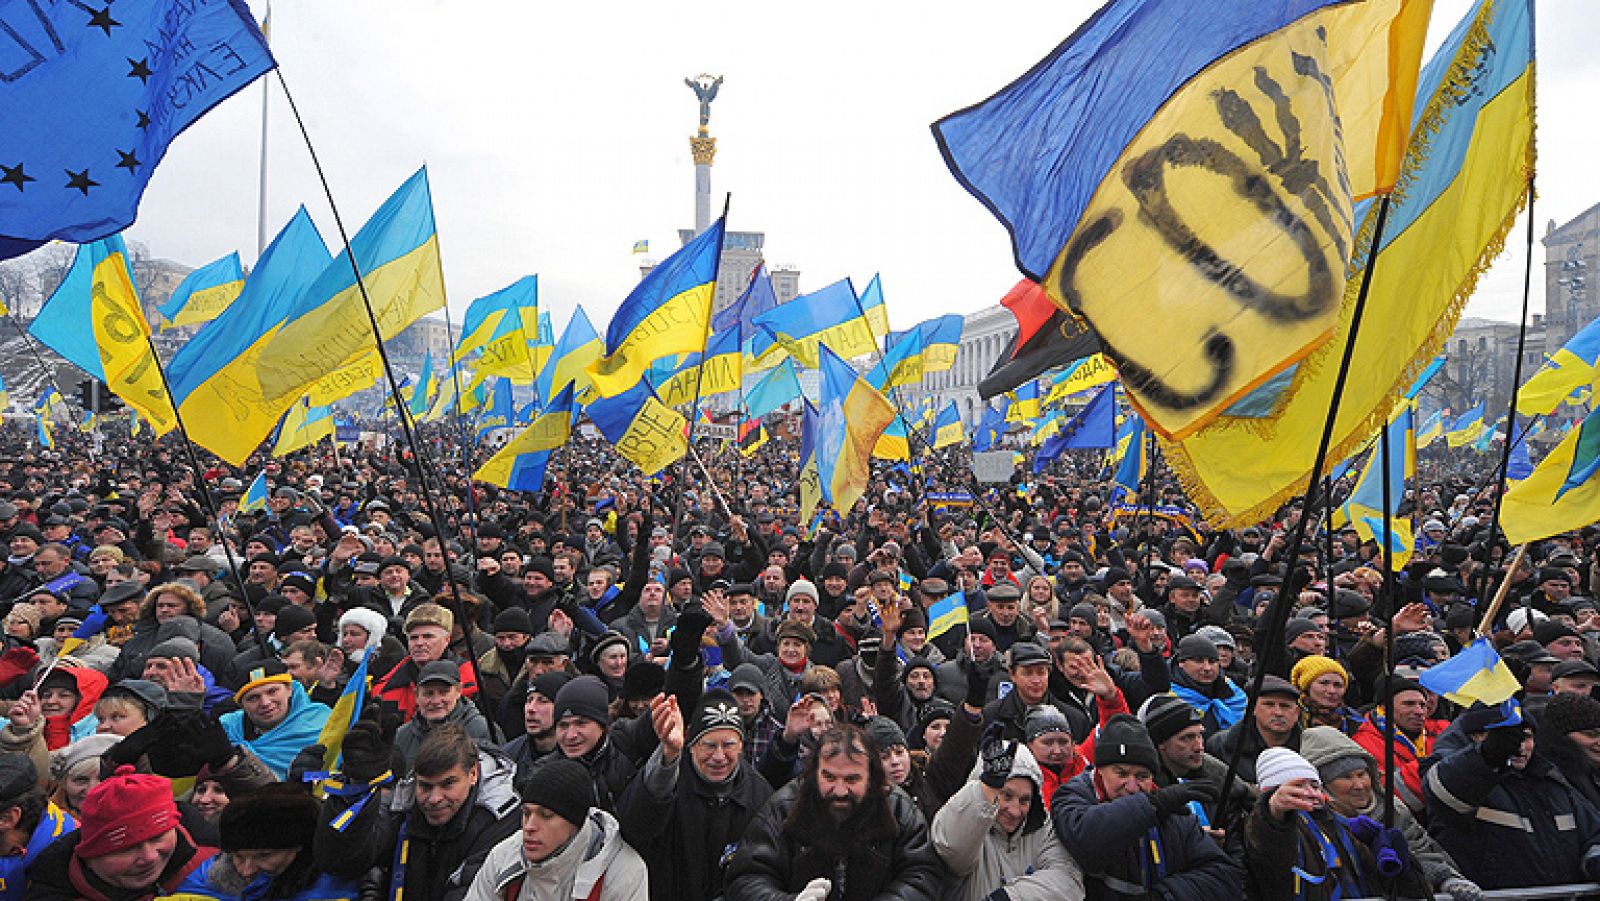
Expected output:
{"points": [[1278, 612], [699, 381], [418, 453]]}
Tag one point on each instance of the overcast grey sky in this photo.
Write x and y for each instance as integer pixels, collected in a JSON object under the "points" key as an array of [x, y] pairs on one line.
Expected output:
{"points": [[557, 134]]}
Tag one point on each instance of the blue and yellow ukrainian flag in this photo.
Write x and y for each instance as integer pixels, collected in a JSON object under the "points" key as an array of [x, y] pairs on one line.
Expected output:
{"points": [[1466, 428], [423, 393], [47, 431], [668, 313], [501, 410], [346, 712], [303, 426], [1570, 369], [926, 348], [94, 622], [5, 396], [570, 359], [832, 316], [646, 432], [398, 253], [516, 353], [204, 293], [213, 375], [757, 298], [1086, 160], [894, 443], [1465, 176], [1475, 674], [990, 427], [1080, 376], [1135, 458], [723, 370], [255, 496], [1431, 430], [641, 246], [947, 429], [95, 320], [947, 613], [520, 465], [776, 388], [1024, 402], [809, 482], [494, 315], [1562, 492], [851, 417], [1364, 509]]}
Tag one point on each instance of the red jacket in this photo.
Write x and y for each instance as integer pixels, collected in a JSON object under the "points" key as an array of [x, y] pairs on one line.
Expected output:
{"points": [[1407, 755], [398, 687]]}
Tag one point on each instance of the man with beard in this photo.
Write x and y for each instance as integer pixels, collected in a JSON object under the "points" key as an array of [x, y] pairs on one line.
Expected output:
{"points": [[694, 797], [841, 819]]}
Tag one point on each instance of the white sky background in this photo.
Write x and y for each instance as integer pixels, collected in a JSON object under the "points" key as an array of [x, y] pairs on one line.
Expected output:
{"points": [[556, 135]]}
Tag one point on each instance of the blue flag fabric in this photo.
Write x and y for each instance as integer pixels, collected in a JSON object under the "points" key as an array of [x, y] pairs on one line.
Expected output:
{"points": [[95, 93], [758, 298], [775, 389], [1094, 426]]}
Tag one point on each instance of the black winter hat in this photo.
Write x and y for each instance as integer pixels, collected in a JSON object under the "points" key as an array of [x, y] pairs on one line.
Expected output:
{"points": [[541, 565], [643, 680], [275, 817], [1125, 740], [585, 696], [1166, 715], [1571, 713], [560, 786], [716, 709], [292, 619], [885, 732], [513, 619]]}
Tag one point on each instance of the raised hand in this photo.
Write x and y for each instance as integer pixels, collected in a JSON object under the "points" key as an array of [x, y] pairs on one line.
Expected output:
{"points": [[668, 722]]}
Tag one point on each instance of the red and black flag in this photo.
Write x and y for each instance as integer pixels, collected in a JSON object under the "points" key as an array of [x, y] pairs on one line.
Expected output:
{"points": [[1046, 337], [752, 434]]}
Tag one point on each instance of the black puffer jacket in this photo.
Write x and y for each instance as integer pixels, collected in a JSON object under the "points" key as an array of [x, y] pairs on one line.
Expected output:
{"points": [[891, 857]]}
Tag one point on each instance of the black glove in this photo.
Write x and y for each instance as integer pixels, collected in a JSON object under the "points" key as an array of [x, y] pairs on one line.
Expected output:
{"points": [[977, 685], [203, 738], [685, 643], [1175, 798], [998, 756], [309, 760], [1500, 745], [128, 751], [366, 753]]}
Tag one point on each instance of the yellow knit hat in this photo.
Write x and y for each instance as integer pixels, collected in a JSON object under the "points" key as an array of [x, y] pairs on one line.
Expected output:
{"points": [[1310, 668]]}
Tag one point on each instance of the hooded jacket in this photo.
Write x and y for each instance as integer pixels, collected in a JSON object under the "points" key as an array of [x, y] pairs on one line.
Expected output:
{"points": [[1323, 745], [60, 731], [595, 858], [1030, 864]]}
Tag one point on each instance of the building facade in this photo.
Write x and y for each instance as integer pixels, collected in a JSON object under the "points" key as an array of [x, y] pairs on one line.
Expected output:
{"points": [[1571, 258]]}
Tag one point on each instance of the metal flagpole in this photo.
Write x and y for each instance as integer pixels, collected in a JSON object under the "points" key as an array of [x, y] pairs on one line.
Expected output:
{"points": [[261, 199]]}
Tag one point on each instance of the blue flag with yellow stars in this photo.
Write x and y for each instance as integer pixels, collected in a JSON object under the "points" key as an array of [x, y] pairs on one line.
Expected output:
{"points": [[94, 92]]}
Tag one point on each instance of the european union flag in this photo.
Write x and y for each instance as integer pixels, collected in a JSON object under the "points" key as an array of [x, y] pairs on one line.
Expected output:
{"points": [[95, 93]]}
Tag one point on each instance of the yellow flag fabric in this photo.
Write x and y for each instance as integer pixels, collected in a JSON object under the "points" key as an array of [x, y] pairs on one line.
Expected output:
{"points": [[1465, 179], [398, 252], [303, 426], [645, 431], [347, 380], [1561, 494], [1087, 373], [95, 320]]}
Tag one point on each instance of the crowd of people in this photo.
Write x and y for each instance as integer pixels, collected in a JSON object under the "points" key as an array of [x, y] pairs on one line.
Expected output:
{"points": [[631, 688]]}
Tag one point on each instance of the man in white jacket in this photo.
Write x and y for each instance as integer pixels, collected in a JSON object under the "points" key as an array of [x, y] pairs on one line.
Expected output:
{"points": [[995, 838], [567, 850]]}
